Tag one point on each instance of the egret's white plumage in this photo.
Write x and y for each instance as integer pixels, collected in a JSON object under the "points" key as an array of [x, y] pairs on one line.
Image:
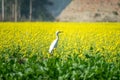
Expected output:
{"points": [[55, 42]]}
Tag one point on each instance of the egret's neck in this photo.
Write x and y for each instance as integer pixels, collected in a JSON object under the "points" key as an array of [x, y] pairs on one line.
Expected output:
{"points": [[57, 36]]}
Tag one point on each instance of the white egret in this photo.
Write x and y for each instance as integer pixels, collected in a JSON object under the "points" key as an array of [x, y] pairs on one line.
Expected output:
{"points": [[55, 42]]}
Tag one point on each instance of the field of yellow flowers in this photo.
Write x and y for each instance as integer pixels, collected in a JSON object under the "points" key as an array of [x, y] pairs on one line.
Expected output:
{"points": [[85, 51]]}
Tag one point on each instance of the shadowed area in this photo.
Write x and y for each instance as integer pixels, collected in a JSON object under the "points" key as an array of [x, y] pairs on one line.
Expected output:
{"points": [[41, 10], [55, 7]]}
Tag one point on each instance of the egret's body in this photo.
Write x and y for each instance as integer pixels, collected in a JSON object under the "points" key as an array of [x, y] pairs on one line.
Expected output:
{"points": [[54, 43]]}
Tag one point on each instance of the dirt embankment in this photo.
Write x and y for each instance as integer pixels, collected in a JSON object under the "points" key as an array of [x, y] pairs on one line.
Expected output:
{"points": [[91, 10]]}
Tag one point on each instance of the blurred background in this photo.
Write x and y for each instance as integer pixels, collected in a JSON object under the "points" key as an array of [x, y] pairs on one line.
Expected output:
{"points": [[60, 10]]}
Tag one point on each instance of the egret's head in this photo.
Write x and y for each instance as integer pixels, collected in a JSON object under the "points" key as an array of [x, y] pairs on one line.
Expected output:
{"points": [[57, 32]]}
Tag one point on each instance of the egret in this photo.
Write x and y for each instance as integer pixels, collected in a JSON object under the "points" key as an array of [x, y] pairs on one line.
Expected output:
{"points": [[55, 42]]}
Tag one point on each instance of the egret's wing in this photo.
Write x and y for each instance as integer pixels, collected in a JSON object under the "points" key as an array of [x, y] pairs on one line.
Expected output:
{"points": [[53, 45]]}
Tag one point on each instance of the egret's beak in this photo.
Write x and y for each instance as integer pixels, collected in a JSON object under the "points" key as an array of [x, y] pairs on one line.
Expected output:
{"points": [[61, 32]]}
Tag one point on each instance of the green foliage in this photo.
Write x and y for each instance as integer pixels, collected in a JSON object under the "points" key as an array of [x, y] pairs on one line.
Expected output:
{"points": [[73, 68]]}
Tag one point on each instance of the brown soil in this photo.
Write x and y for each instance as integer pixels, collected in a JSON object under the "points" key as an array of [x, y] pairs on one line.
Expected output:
{"points": [[91, 10]]}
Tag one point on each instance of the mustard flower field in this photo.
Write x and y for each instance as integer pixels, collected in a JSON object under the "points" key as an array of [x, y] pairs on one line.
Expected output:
{"points": [[85, 51]]}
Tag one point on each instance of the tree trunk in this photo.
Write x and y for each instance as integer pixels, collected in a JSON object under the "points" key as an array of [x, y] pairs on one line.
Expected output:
{"points": [[30, 13], [3, 9], [13, 12], [16, 4], [19, 12]]}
